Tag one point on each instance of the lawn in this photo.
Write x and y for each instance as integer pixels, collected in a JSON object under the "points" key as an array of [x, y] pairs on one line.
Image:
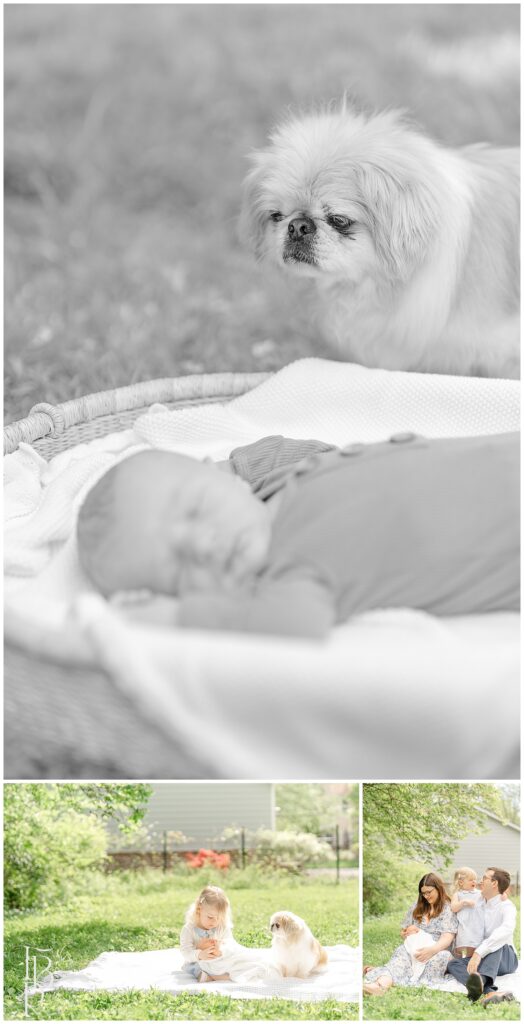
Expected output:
{"points": [[381, 936], [146, 912], [126, 130]]}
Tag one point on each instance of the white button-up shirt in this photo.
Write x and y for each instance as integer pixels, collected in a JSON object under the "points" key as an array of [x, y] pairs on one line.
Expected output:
{"points": [[499, 924]]}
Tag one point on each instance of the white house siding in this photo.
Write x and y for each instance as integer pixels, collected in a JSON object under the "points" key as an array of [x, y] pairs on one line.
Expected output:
{"points": [[202, 810], [499, 847]]}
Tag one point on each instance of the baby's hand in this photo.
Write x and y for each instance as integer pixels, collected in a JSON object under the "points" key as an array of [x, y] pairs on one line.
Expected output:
{"points": [[213, 952], [151, 609], [206, 943]]}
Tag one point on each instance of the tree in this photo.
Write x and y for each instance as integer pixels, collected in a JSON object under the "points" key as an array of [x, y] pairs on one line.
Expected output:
{"points": [[54, 835], [421, 822], [124, 803], [508, 807], [309, 807], [425, 821]]}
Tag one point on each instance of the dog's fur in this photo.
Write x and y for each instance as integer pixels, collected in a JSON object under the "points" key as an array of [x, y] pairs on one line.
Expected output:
{"points": [[296, 952], [422, 272]]}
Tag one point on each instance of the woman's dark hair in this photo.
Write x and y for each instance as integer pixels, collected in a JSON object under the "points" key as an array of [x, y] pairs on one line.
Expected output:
{"points": [[423, 907]]}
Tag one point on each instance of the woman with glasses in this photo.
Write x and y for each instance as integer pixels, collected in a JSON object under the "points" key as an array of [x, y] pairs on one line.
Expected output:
{"points": [[427, 930]]}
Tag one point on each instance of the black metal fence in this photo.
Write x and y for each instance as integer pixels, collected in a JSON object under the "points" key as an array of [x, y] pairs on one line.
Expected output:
{"points": [[166, 848]]}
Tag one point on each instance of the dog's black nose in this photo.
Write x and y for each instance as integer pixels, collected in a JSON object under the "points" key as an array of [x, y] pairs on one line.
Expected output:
{"points": [[301, 226]]}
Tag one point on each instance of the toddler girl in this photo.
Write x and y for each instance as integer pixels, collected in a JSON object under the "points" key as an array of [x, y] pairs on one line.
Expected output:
{"points": [[207, 935], [464, 899]]}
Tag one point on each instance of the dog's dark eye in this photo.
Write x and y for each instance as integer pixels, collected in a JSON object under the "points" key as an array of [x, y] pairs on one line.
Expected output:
{"points": [[340, 223], [275, 217]]}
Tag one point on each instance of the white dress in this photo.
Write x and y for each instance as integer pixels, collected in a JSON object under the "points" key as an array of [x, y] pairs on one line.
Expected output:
{"points": [[240, 962], [471, 923], [400, 966]]}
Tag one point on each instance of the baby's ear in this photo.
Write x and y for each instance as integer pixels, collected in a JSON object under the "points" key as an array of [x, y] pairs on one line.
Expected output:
{"points": [[252, 221], [404, 216]]}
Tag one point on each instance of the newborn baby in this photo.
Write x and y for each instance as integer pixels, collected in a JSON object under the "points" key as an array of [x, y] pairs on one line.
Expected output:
{"points": [[410, 522]]}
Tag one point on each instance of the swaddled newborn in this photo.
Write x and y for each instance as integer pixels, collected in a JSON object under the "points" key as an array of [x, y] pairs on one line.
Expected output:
{"points": [[410, 522]]}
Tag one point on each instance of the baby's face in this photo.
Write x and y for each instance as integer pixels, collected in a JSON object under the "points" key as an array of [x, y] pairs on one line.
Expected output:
{"points": [[186, 526], [467, 883], [208, 918]]}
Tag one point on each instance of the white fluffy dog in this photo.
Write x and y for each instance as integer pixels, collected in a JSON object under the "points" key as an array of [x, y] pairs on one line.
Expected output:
{"points": [[296, 952], [413, 247]]}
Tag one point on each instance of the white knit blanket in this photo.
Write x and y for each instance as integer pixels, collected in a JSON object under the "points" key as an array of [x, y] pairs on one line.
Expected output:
{"points": [[293, 708], [162, 969], [506, 983]]}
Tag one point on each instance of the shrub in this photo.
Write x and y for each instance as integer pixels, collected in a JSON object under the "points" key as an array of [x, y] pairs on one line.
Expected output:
{"points": [[48, 850], [287, 851], [389, 883]]}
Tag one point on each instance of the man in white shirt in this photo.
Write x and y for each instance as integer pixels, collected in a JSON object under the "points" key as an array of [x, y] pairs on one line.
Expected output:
{"points": [[495, 954]]}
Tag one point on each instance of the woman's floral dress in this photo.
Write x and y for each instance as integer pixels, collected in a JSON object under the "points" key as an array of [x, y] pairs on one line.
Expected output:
{"points": [[399, 966]]}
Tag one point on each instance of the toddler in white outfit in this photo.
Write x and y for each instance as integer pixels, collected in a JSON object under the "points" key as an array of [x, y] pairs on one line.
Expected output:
{"points": [[206, 935], [464, 903]]}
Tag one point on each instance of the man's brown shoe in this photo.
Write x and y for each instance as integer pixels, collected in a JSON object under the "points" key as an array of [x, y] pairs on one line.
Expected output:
{"points": [[497, 997]]}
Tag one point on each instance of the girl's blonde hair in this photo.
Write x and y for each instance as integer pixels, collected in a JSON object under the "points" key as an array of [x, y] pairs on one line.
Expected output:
{"points": [[212, 896], [460, 876]]}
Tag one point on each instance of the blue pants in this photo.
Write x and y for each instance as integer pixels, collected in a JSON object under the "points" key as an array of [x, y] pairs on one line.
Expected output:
{"points": [[194, 969], [502, 961]]}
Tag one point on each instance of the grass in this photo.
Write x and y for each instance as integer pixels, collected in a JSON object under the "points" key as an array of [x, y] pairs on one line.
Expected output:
{"points": [[381, 936], [146, 912], [126, 129]]}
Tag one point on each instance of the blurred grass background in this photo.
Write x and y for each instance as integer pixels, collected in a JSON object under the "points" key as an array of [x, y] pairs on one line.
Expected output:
{"points": [[126, 130]]}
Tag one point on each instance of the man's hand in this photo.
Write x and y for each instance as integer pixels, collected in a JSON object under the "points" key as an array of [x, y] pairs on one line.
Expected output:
{"points": [[473, 963], [423, 955], [467, 903]]}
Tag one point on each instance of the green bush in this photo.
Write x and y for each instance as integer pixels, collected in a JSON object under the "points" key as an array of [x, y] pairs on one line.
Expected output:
{"points": [[287, 851], [389, 883], [49, 849]]}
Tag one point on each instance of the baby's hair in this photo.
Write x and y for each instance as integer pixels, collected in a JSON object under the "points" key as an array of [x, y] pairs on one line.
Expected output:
{"points": [[461, 875], [95, 526], [212, 896]]}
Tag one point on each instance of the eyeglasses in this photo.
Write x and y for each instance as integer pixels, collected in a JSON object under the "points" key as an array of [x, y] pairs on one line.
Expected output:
{"points": [[426, 892]]}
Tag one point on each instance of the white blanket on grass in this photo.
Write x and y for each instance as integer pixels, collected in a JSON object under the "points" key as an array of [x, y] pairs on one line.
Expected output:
{"points": [[422, 939], [506, 983], [162, 969], [307, 710]]}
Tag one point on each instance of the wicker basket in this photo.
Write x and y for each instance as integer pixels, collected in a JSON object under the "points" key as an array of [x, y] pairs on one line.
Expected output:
{"points": [[63, 717]]}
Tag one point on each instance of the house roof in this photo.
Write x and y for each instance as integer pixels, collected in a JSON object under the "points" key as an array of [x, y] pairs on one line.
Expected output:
{"points": [[505, 824]]}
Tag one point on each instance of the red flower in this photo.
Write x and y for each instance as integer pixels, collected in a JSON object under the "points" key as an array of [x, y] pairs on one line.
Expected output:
{"points": [[210, 858]]}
